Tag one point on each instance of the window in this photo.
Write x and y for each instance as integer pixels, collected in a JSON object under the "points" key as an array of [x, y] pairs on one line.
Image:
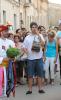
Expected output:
{"points": [[18, 1], [4, 17], [15, 17], [21, 21], [29, 1]]}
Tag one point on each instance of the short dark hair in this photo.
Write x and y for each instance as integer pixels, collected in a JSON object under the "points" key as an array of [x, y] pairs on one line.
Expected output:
{"points": [[33, 23], [23, 28], [17, 30], [39, 27], [16, 35]]}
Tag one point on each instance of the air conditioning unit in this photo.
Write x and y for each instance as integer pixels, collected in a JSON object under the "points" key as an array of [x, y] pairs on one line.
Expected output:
{"points": [[27, 5]]}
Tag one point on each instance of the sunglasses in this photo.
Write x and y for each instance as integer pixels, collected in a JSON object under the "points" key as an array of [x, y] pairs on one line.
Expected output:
{"points": [[34, 27]]}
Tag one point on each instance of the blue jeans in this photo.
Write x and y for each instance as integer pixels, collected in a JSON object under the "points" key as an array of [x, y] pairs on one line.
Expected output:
{"points": [[35, 67]]}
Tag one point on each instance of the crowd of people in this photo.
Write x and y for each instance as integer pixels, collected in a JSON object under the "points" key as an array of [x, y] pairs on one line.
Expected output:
{"points": [[43, 55]]}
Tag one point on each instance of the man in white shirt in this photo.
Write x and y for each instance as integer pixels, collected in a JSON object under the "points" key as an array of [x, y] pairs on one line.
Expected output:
{"points": [[34, 57], [4, 45]]}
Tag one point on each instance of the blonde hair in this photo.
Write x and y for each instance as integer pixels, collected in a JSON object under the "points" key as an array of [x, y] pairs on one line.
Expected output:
{"points": [[52, 32]]}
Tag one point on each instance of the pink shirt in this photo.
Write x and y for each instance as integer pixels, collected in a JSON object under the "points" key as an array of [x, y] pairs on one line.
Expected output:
{"points": [[1, 80]]}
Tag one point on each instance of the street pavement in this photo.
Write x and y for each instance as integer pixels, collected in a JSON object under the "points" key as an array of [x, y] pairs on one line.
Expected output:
{"points": [[51, 92]]}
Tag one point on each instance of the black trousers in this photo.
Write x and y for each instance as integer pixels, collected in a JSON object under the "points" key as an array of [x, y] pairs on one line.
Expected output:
{"points": [[19, 69], [60, 66]]}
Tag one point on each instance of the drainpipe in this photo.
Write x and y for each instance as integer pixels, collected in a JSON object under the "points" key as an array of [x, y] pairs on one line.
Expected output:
{"points": [[0, 11]]}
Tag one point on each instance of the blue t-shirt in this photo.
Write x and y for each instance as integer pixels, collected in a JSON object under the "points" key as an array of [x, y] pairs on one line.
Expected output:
{"points": [[50, 49]]}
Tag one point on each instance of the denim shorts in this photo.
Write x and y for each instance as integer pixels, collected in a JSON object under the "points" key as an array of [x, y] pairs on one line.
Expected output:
{"points": [[35, 67]]}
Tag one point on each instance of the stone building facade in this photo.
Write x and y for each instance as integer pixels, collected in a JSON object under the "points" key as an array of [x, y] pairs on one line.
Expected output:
{"points": [[9, 12], [54, 14], [36, 10], [21, 12]]}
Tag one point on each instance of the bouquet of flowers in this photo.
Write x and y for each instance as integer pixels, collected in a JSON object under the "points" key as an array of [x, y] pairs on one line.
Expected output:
{"points": [[12, 52]]}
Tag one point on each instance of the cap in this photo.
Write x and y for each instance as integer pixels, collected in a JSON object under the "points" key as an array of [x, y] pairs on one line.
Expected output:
{"points": [[3, 28]]}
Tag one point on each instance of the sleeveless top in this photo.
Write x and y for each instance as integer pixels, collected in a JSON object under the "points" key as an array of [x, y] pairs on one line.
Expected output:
{"points": [[50, 49]]}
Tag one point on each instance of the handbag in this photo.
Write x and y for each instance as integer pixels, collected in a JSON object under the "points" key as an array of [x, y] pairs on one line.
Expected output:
{"points": [[36, 45], [22, 57]]}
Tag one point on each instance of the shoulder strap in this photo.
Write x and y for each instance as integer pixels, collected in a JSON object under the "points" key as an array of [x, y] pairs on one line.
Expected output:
{"points": [[46, 42], [39, 37]]}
